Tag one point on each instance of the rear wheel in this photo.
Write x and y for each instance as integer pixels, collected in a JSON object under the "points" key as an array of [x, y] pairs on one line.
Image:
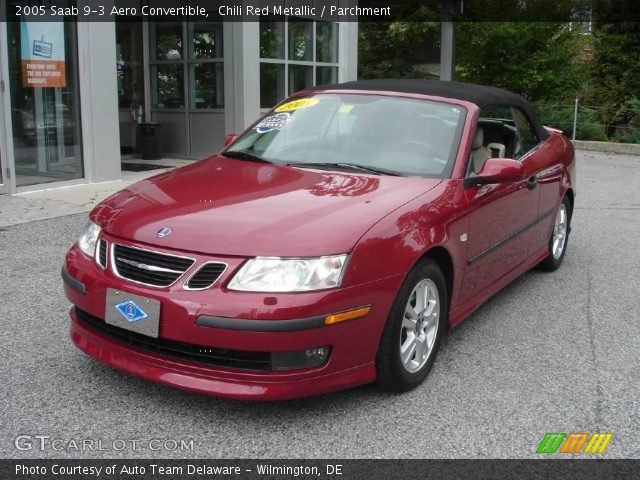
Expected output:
{"points": [[559, 238], [411, 338]]}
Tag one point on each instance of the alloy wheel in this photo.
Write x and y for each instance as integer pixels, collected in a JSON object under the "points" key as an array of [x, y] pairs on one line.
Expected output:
{"points": [[559, 232], [419, 325]]}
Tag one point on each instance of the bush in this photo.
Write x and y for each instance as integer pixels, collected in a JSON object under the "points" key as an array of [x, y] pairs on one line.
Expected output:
{"points": [[629, 133], [561, 116]]}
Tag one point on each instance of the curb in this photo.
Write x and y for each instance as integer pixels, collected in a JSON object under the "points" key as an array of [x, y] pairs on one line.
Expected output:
{"points": [[608, 147]]}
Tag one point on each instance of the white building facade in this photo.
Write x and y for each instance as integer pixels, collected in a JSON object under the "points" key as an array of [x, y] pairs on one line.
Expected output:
{"points": [[73, 96]]}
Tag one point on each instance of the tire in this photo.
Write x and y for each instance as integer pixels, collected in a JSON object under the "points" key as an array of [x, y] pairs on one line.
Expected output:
{"points": [[561, 227], [424, 281]]}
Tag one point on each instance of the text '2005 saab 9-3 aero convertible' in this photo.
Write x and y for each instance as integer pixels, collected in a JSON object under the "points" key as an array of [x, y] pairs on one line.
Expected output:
{"points": [[329, 245]]}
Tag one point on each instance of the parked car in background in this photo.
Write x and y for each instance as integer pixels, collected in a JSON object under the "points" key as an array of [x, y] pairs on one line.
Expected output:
{"points": [[329, 245]]}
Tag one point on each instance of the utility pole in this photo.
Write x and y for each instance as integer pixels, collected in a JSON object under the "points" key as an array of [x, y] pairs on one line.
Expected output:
{"points": [[448, 42]]}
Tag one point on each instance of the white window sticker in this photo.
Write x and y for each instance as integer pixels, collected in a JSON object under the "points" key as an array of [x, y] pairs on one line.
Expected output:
{"points": [[273, 122]]}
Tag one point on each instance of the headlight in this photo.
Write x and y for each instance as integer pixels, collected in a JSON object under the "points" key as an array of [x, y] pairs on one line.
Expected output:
{"points": [[89, 237], [268, 274]]}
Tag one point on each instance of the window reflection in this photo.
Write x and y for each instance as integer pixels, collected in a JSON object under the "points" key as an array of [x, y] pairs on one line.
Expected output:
{"points": [[206, 40], [271, 39], [300, 40], [201, 67], [300, 77], [327, 42], [169, 85], [168, 40], [326, 75], [208, 85], [311, 57], [271, 84]]}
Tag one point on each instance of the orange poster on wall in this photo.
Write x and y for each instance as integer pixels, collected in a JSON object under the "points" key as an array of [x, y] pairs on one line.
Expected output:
{"points": [[42, 54]]}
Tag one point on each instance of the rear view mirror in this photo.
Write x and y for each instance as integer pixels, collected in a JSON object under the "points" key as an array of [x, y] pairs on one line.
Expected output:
{"points": [[229, 139], [497, 170]]}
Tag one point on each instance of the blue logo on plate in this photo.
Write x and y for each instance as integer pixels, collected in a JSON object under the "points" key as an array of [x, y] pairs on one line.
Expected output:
{"points": [[163, 232], [130, 311]]}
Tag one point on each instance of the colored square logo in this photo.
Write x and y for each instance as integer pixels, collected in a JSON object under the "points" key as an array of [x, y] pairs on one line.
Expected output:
{"points": [[130, 311], [574, 442]]}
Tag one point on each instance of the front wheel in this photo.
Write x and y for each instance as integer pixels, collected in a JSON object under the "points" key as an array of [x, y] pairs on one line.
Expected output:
{"points": [[559, 238], [414, 328]]}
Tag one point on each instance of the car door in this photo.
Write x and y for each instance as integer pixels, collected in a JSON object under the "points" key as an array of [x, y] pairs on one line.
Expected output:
{"points": [[540, 160], [500, 234]]}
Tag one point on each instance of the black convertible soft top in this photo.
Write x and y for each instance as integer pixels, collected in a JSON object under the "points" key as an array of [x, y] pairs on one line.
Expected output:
{"points": [[481, 95]]}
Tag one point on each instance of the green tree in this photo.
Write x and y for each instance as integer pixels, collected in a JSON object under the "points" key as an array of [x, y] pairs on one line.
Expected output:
{"points": [[615, 78], [539, 60], [393, 49]]}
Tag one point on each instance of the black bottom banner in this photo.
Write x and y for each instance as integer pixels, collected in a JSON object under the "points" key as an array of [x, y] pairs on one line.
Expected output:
{"points": [[324, 469]]}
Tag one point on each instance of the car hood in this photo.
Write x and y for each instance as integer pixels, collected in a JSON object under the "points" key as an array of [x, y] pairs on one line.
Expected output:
{"points": [[226, 206]]}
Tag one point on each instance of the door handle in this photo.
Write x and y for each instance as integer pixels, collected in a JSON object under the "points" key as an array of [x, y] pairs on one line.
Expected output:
{"points": [[532, 182]]}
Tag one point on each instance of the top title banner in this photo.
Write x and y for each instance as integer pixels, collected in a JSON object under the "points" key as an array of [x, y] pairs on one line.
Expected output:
{"points": [[231, 10], [326, 10]]}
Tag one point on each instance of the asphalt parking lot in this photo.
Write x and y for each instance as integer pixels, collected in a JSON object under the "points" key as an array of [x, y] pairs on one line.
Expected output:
{"points": [[555, 352]]}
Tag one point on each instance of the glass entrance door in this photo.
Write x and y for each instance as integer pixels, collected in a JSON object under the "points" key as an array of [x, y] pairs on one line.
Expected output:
{"points": [[44, 97]]}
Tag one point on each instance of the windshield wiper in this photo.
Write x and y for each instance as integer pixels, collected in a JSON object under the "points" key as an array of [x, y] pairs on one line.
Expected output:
{"points": [[347, 166], [244, 156]]}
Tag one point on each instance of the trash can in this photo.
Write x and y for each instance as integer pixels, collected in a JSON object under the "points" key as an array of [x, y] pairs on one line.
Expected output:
{"points": [[150, 141]]}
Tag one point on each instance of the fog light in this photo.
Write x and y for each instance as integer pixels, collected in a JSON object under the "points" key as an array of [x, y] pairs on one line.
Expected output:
{"points": [[312, 357]]}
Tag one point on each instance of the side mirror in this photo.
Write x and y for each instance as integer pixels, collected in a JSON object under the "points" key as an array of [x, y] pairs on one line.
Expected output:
{"points": [[229, 139], [497, 170]]}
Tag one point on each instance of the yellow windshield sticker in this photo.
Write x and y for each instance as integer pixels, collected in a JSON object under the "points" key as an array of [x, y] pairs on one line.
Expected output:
{"points": [[345, 108], [298, 104]]}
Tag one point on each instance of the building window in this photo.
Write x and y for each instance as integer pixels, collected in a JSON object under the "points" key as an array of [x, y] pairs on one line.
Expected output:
{"points": [[300, 77], [300, 39], [271, 84], [311, 57], [168, 41], [271, 39], [206, 68], [327, 42], [168, 85], [207, 89], [186, 63]]}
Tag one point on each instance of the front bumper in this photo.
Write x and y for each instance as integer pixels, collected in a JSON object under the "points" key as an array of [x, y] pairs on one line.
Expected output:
{"points": [[353, 343], [211, 381]]}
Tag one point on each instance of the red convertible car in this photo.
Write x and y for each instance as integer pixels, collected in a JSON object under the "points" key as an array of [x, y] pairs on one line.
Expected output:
{"points": [[330, 245]]}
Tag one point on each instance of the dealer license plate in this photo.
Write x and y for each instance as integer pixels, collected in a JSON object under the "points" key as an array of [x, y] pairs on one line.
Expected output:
{"points": [[133, 312]]}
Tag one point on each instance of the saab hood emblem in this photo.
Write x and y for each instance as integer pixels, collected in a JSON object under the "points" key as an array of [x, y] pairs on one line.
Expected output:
{"points": [[163, 232]]}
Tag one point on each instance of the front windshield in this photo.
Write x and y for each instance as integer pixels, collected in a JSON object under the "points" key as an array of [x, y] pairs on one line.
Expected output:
{"points": [[383, 133]]}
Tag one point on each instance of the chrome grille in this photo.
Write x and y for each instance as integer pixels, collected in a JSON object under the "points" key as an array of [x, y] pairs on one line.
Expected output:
{"points": [[206, 276], [148, 267], [101, 258]]}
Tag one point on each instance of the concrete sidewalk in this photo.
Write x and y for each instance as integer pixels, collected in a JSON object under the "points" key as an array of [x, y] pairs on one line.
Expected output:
{"points": [[57, 202]]}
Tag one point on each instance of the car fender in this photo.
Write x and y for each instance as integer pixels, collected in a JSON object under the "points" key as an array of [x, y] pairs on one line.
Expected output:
{"points": [[400, 240]]}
